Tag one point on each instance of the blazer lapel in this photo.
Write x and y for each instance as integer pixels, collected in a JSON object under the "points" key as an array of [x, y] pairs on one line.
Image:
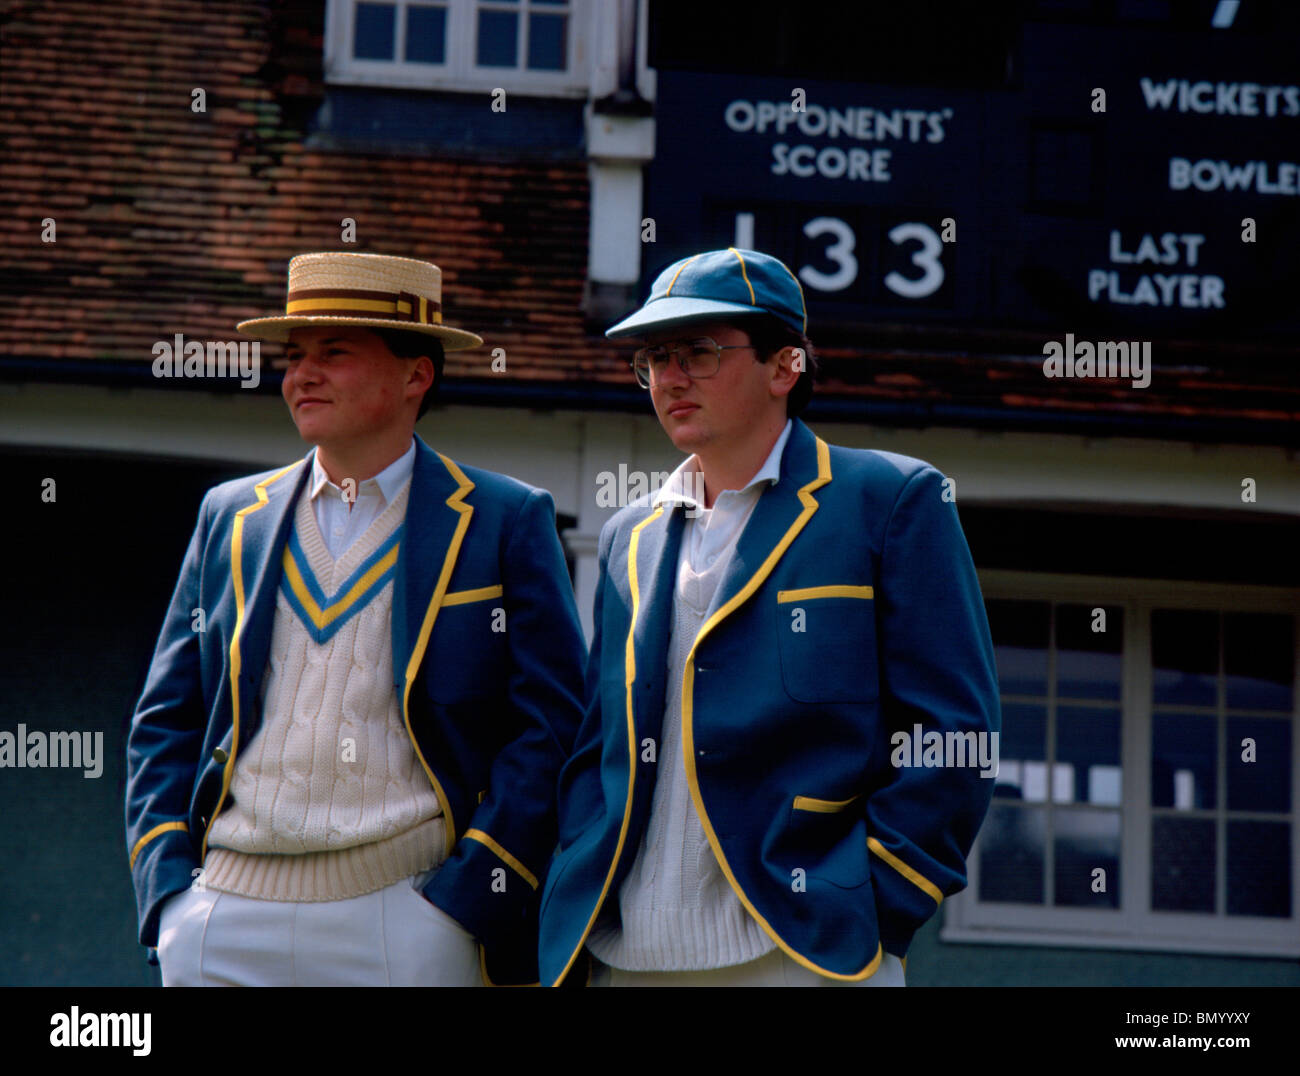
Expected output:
{"points": [[653, 551], [781, 513], [436, 521], [258, 537]]}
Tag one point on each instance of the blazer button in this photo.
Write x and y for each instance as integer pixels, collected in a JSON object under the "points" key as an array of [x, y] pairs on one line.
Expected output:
{"points": [[220, 756]]}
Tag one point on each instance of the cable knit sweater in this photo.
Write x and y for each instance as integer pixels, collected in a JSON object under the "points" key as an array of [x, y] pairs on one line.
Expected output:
{"points": [[329, 799]]}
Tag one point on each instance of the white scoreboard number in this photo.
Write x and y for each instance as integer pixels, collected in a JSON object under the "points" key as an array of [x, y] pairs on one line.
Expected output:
{"points": [[926, 259]]}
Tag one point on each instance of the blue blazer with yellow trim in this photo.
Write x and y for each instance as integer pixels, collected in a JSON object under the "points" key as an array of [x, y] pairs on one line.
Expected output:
{"points": [[850, 610], [492, 713]]}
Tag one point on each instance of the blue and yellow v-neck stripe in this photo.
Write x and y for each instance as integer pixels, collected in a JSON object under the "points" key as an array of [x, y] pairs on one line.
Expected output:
{"points": [[323, 615]]}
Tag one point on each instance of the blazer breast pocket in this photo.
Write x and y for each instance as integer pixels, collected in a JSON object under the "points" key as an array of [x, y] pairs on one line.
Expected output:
{"points": [[468, 652], [826, 636]]}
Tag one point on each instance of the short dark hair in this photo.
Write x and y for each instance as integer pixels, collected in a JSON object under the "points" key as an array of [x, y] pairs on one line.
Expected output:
{"points": [[769, 335], [406, 344]]}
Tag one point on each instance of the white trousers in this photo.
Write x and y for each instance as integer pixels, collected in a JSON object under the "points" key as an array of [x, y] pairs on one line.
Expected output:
{"points": [[773, 969], [392, 937]]}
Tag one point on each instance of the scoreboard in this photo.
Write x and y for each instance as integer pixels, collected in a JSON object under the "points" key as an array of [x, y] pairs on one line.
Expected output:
{"points": [[1136, 181]]}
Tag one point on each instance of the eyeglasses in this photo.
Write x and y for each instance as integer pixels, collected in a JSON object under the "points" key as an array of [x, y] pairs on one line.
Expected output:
{"points": [[698, 359]]}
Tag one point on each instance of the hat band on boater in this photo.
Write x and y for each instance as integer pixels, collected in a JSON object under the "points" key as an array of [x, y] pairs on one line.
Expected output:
{"points": [[354, 302]]}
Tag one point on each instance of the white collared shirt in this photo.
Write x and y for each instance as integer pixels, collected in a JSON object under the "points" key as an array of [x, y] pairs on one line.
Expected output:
{"points": [[341, 523], [711, 533]]}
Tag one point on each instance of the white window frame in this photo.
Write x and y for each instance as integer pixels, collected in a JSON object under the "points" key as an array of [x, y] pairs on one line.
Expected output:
{"points": [[1133, 925], [459, 73]]}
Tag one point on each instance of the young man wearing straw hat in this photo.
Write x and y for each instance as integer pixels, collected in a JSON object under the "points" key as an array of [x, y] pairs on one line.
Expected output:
{"points": [[737, 811], [342, 766]]}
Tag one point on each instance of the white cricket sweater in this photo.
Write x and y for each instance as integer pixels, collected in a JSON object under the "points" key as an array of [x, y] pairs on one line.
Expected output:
{"points": [[328, 799]]}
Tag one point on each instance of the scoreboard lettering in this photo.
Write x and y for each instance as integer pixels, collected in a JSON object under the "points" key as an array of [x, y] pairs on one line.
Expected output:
{"points": [[1188, 290], [1170, 213]]}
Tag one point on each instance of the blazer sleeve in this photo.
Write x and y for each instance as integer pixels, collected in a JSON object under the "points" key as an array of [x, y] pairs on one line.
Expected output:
{"points": [[581, 799], [162, 750], [491, 882], [937, 671]]}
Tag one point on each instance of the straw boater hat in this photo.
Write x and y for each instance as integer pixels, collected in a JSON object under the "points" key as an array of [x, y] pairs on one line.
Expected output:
{"points": [[370, 290]]}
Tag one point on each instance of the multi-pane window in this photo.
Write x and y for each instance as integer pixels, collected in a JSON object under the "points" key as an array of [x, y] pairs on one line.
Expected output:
{"points": [[1148, 765], [410, 32], [1055, 818], [532, 46], [531, 34], [1220, 752]]}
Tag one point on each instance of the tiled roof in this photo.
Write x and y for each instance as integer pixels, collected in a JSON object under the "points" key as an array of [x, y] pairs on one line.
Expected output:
{"points": [[174, 221]]}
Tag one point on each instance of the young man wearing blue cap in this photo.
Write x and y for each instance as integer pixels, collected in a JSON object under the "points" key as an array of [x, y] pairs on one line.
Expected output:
{"points": [[766, 626]]}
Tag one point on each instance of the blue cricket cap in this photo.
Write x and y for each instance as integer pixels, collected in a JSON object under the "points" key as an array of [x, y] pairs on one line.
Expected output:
{"points": [[718, 284]]}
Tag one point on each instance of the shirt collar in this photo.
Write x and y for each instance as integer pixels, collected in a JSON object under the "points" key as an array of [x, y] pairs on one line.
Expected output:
{"points": [[682, 484], [389, 481]]}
